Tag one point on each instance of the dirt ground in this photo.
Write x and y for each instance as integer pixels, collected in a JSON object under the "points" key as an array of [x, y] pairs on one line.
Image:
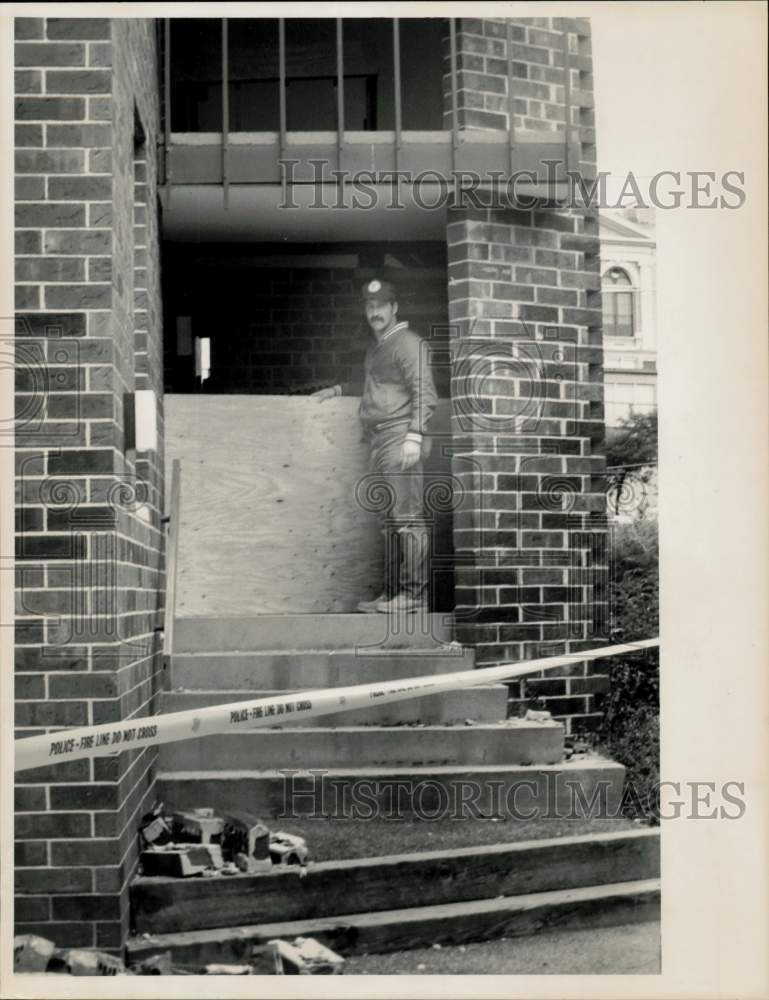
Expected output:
{"points": [[629, 949]]}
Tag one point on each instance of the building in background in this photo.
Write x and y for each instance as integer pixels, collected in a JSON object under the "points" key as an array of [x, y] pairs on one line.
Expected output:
{"points": [[628, 286]]}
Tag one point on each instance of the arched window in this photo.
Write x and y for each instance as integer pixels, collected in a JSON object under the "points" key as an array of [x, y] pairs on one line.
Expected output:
{"points": [[618, 296]]}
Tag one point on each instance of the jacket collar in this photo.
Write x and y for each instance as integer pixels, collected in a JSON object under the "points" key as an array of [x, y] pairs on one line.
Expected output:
{"points": [[393, 329]]}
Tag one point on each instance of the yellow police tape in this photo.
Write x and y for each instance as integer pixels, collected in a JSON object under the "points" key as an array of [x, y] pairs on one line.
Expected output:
{"points": [[96, 741]]}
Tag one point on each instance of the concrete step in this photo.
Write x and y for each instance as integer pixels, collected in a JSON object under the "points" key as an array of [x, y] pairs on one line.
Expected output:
{"points": [[390, 882], [589, 786], [420, 926], [310, 631], [292, 670], [513, 742], [482, 704]]}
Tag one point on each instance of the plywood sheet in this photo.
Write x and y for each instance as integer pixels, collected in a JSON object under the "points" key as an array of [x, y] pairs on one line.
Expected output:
{"points": [[269, 519]]}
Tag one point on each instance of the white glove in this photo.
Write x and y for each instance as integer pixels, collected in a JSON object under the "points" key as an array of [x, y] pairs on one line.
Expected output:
{"points": [[411, 452], [323, 394]]}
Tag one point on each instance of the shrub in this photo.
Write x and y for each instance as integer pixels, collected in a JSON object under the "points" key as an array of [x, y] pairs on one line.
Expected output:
{"points": [[630, 730]]}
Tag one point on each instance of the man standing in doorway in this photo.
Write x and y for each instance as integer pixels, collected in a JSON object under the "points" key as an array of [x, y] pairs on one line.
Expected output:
{"points": [[397, 403]]}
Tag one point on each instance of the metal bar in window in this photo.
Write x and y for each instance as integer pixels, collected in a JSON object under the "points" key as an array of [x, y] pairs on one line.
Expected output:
{"points": [[397, 78], [454, 110], [566, 99], [225, 115], [282, 83], [339, 94], [510, 99], [167, 103]]}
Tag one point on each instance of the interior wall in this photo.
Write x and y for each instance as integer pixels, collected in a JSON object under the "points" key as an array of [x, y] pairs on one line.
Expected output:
{"points": [[289, 322]]}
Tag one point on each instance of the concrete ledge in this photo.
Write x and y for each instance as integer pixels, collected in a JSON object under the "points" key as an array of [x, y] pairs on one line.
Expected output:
{"points": [[481, 704], [513, 742], [592, 787]]}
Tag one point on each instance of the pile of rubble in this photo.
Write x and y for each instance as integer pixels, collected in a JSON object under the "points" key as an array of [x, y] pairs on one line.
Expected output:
{"points": [[198, 842], [301, 957], [187, 844]]}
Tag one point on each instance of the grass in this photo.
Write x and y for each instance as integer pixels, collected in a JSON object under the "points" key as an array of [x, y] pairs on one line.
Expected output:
{"points": [[334, 839]]}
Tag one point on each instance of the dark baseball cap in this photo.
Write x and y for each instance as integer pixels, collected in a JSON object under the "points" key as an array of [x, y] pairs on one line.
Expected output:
{"points": [[377, 290]]}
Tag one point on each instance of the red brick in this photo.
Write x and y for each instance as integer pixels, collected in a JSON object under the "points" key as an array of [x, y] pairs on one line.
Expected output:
{"points": [[49, 161], [31, 908], [91, 853], [42, 881], [28, 81], [79, 188], [28, 135], [78, 136], [48, 54], [29, 854], [44, 216], [84, 797], [85, 907], [70, 935], [110, 935], [29, 798], [45, 269], [82, 81], [87, 296], [29, 188], [85, 28], [48, 713], [49, 109], [28, 27]]}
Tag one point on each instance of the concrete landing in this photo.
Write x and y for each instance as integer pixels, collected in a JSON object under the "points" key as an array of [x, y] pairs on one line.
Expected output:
{"points": [[393, 791], [292, 670], [312, 632]]}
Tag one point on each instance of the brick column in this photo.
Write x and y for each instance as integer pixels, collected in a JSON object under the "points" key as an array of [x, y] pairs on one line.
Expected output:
{"points": [[527, 413], [89, 541], [525, 311]]}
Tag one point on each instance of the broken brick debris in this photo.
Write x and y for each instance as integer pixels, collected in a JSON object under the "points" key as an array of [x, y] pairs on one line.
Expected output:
{"points": [[228, 970], [305, 957], [80, 962], [246, 841], [181, 860], [198, 842], [31, 953], [155, 965], [154, 828], [200, 826], [288, 848]]}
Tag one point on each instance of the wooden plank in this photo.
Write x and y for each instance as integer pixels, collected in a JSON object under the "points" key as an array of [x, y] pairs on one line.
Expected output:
{"points": [[173, 510], [414, 927], [270, 521], [387, 883], [459, 923]]}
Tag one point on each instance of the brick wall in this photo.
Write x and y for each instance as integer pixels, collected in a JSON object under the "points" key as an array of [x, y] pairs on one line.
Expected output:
{"points": [[290, 329], [539, 45], [525, 313], [89, 540]]}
